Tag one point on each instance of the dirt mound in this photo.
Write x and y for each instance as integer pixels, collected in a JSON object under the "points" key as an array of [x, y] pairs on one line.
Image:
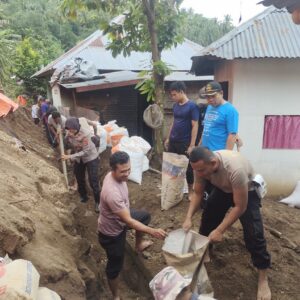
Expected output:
{"points": [[41, 221], [36, 211]]}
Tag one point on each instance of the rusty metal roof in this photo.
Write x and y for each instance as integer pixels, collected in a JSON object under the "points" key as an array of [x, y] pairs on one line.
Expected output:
{"points": [[93, 49], [125, 78], [271, 34], [290, 5]]}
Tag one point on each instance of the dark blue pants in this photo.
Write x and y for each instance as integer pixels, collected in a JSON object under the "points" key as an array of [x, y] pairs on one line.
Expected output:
{"points": [[114, 246], [217, 205], [92, 169]]}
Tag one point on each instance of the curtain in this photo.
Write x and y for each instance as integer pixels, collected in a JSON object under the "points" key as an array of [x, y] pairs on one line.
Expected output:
{"points": [[282, 132]]}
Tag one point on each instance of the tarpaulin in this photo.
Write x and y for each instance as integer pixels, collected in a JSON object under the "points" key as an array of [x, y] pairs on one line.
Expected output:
{"points": [[282, 132], [6, 105]]}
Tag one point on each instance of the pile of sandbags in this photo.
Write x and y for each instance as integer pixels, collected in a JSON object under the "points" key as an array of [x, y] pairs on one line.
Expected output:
{"points": [[182, 251], [137, 148], [111, 135], [19, 280]]}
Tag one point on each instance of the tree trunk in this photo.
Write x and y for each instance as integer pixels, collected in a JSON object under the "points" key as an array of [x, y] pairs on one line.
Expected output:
{"points": [[149, 7]]}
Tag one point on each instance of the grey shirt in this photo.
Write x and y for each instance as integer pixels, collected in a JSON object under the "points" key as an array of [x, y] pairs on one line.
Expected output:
{"points": [[83, 146]]}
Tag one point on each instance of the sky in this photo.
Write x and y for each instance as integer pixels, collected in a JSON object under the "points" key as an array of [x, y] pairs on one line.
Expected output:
{"points": [[219, 8]]}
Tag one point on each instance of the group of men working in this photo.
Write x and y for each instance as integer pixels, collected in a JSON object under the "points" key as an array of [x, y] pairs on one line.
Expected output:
{"points": [[225, 175], [78, 139], [214, 168]]}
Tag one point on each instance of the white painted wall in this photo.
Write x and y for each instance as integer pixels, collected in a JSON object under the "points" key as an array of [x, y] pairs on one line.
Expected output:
{"points": [[267, 87]]}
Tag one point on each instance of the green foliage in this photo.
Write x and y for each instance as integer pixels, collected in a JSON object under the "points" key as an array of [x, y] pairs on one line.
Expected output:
{"points": [[27, 62], [49, 35], [202, 30]]}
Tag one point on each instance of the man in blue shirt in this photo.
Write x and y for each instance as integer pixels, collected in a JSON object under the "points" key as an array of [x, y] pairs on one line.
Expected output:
{"points": [[184, 128], [221, 120]]}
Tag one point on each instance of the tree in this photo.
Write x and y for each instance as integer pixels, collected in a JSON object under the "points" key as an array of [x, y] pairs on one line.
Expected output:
{"points": [[147, 25], [202, 30], [27, 62]]}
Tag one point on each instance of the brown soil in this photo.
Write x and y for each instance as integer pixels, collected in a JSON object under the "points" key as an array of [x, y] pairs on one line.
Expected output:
{"points": [[43, 222]]}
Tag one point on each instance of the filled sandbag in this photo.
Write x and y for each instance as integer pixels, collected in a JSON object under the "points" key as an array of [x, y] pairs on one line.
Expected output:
{"points": [[102, 133], [173, 176], [140, 143], [137, 162], [183, 251], [47, 294], [117, 134], [167, 284], [19, 280], [109, 127], [294, 199]]}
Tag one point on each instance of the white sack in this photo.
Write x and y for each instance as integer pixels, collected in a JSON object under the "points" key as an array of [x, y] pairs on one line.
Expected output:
{"points": [[183, 251], [20, 279], [173, 176], [102, 133], [140, 143], [47, 294], [294, 199]]}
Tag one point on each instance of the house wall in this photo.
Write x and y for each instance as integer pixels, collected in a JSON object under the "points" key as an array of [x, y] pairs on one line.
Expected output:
{"points": [[267, 87], [224, 73]]}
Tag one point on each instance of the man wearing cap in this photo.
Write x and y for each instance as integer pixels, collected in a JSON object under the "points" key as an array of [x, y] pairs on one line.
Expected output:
{"points": [[85, 157], [221, 120], [184, 128], [233, 197]]}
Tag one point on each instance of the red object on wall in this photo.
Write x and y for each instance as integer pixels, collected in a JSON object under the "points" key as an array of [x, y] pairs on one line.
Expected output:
{"points": [[282, 132]]}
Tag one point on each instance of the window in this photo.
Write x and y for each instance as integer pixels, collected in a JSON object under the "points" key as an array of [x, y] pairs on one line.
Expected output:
{"points": [[282, 132]]}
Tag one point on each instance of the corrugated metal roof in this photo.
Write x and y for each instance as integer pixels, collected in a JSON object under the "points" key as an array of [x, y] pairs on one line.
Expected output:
{"points": [[291, 5], [271, 34], [93, 49], [123, 78]]}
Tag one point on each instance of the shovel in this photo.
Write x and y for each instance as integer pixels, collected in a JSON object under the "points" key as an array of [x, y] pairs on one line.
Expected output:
{"points": [[189, 289]]}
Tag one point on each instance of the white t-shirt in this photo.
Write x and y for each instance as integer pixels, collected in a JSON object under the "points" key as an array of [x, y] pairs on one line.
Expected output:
{"points": [[35, 111], [62, 123]]}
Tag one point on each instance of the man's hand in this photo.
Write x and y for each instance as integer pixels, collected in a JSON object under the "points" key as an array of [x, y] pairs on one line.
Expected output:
{"points": [[216, 236], [65, 157], [158, 233], [166, 144], [187, 225], [189, 150]]}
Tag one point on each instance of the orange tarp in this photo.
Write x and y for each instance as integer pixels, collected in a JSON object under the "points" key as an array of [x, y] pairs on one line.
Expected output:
{"points": [[21, 100], [6, 105]]}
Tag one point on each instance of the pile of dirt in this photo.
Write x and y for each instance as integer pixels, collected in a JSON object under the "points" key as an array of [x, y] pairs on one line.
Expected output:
{"points": [[37, 212], [43, 222]]}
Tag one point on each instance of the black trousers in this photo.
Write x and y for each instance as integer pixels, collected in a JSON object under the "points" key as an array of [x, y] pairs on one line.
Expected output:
{"points": [[92, 168], [114, 246], [217, 205], [181, 148]]}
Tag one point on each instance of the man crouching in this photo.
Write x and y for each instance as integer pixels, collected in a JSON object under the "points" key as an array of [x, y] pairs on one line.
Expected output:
{"points": [[230, 175], [116, 217]]}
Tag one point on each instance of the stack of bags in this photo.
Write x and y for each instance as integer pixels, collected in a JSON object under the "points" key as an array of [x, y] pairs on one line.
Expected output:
{"points": [[111, 135], [19, 280]]}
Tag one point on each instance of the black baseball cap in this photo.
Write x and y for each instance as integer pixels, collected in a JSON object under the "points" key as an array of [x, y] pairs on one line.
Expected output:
{"points": [[211, 89]]}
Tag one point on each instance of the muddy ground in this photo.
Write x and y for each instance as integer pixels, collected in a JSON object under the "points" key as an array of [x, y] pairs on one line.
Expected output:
{"points": [[43, 222]]}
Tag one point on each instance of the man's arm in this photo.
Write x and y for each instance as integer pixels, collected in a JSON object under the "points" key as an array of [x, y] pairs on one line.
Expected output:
{"points": [[240, 200], [194, 135], [195, 202], [168, 137], [231, 139], [125, 216]]}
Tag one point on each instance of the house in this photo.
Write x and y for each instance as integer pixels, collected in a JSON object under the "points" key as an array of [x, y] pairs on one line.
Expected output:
{"points": [[258, 64], [293, 7], [113, 94]]}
